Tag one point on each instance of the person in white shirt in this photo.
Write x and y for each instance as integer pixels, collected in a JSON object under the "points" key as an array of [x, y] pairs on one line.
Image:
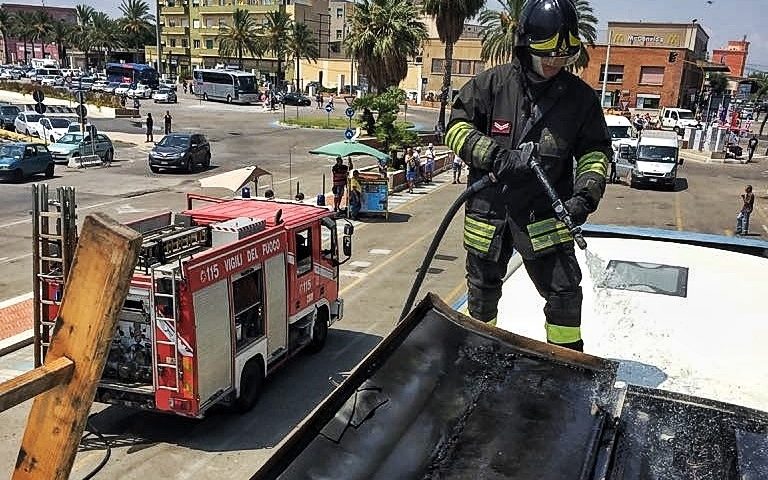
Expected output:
{"points": [[419, 162], [429, 163]]}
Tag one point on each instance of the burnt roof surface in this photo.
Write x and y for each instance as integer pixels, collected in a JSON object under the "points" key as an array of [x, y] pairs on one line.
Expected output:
{"points": [[293, 214], [443, 397]]}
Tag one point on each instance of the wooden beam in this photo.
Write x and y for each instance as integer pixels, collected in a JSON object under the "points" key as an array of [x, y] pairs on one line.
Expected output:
{"points": [[96, 289], [30, 384]]}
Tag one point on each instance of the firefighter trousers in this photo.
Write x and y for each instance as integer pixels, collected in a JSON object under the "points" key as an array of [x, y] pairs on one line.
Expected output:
{"points": [[557, 277]]}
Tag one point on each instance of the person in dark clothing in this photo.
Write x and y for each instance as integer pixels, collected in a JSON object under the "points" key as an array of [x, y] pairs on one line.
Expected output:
{"points": [[340, 174], [355, 202], [747, 205], [167, 121], [531, 99], [752, 146], [150, 124]]}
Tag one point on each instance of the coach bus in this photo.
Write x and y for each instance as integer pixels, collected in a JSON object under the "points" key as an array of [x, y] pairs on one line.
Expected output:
{"points": [[133, 73], [228, 85]]}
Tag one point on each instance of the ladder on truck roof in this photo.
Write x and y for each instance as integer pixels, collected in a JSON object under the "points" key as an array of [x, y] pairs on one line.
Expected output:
{"points": [[171, 242], [54, 238], [166, 312]]}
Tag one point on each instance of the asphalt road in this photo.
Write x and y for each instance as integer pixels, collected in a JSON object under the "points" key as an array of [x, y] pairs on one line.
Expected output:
{"points": [[386, 256]]}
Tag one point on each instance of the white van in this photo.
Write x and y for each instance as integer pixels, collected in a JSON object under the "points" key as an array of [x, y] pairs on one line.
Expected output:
{"points": [[677, 119], [623, 139], [656, 160]]}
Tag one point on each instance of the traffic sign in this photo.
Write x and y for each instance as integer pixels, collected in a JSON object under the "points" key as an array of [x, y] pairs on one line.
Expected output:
{"points": [[38, 96], [40, 108], [349, 133], [350, 112], [81, 111], [329, 108]]}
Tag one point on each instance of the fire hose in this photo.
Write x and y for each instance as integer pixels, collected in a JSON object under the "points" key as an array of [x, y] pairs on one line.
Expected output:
{"points": [[530, 151]]}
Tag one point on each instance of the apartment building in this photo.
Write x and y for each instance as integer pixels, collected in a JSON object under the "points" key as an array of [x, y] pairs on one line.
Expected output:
{"points": [[189, 31]]}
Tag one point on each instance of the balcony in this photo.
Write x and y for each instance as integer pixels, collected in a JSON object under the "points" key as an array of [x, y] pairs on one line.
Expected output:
{"points": [[177, 9], [175, 50], [231, 6], [175, 30]]}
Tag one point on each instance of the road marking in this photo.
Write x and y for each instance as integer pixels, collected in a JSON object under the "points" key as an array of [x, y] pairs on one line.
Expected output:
{"points": [[279, 182], [457, 291], [379, 251], [11, 260], [360, 264], [87, 207], [350, 273], [678, 214]]}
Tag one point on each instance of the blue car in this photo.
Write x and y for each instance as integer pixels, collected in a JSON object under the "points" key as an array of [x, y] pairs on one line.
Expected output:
{"points": [[20, 160]]}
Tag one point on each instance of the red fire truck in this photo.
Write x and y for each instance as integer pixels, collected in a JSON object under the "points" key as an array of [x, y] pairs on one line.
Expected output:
{"points": [[223, 294]]}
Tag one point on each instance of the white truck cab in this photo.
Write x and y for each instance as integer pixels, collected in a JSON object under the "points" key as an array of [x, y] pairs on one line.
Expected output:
{"points": [[677, 119], [656, 159], [623, 139]]}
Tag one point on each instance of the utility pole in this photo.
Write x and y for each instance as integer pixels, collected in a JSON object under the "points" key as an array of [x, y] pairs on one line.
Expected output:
{"points": [[157, 35], [605, 70]]}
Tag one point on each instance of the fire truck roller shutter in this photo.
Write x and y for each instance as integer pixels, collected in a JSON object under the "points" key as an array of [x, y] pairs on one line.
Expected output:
{"points": [[214, 341], [277, 302]]}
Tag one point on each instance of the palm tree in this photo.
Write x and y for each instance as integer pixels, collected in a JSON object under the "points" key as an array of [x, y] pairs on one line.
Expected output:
{"points": [[450, 16], [104, 33], [302, 44], [41, 27], [61, 34], [499, 31], [6, 26], [24, 29], [276, 32], [761, 78], [136, 22], [587, 32], [241, 37], [84, 14], [384, 35]]}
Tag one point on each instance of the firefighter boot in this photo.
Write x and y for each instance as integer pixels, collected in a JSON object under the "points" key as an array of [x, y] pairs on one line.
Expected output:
{"points": [[563, 319]]}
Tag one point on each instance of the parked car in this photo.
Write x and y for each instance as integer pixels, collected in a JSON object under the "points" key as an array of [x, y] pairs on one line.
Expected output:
{"points": [[165, 95], [180, 151], [50, 80], [139, 90], [19, 160], [10, 75], [28, 123], [111, 87], [54, 128], [8, 114], [122, 89], [168, 85], [99, 85], [74, 127], [296, 99], [74, 145]]}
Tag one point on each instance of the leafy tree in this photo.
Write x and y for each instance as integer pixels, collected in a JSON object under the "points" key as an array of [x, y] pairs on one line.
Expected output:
{"points": [[276, 33], [241, 37], [718, 84], [137, 22], [6, 26], [24, 29], [84, 14], [499, 31], [42, 24], [392, 134], [761, 79], [587, 31], [384, 35], [450, 17], [302, 44], [61, 34]]}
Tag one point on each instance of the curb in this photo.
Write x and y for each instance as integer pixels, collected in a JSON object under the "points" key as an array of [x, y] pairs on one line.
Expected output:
{"points": [[16, 342]]}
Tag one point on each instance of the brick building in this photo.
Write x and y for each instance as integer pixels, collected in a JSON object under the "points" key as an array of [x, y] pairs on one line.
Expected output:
{"points": [[16, 46], [650, 65], [734, 55]]}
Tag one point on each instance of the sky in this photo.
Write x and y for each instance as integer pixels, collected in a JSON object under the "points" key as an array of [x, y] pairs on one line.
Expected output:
{"points": [[723, 20]]}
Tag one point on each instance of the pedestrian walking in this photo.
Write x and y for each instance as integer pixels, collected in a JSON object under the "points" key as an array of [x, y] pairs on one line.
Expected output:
{"points": [[419, 164], [150, 124], [429, 164], [319, 100], [559, 111], [752, 146], [185, 87], [747, 205], [167, 121], [411, 169], [457, 165], [340, 173]]}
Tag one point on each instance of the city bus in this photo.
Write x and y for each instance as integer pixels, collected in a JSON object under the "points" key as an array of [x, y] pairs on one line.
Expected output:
{"points": [[228, 85], [133, 73]]}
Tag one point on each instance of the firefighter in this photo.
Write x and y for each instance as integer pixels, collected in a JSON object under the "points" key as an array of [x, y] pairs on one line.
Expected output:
{"points": [[531, 99]]}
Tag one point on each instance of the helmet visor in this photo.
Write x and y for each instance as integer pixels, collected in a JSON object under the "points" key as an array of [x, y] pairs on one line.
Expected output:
{"points": [[561, 45], [559, 62]]}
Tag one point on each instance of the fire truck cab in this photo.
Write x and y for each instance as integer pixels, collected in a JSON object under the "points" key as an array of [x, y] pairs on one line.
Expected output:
{"points": [[223, 294]]}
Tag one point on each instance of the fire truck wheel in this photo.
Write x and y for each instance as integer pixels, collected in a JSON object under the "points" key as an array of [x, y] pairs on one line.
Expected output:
{"points": [[319, 331], [250, 386]]}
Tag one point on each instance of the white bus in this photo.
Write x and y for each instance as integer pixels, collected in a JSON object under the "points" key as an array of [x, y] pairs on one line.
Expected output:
{"points": [[228, 85]]}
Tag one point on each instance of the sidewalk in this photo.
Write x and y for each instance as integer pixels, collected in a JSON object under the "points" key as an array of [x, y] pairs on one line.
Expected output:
{"points": [[704, 157]]}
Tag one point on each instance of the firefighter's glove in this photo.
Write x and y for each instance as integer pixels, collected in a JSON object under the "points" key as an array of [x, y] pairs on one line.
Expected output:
{"points": [[578, 209], [508, 164]]}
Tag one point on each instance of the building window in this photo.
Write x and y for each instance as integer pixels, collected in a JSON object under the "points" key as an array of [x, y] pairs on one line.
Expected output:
{"points": [[209, 44], [339, 12], [303, 252], [479, 67], [184, 22], [173, 42], [615, 73], [437, 65], [648, 100], [184, 43], [464, 67], [196, 23], [196, 43], [651, 75], [338, 34]]}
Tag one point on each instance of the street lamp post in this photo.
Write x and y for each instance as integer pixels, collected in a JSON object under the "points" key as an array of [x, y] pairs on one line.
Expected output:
{"points": [[605, 70]]}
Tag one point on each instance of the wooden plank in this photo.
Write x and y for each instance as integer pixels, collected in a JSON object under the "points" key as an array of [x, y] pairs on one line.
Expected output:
{"points": [[96, 288], [30, 384]]}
